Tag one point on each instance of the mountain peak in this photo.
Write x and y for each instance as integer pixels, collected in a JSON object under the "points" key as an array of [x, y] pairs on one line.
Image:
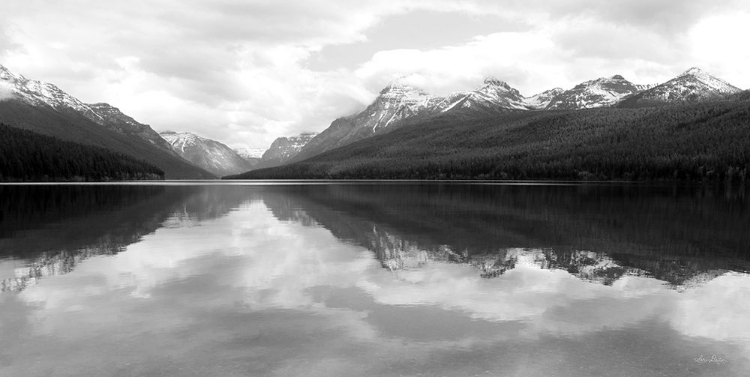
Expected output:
{"points": [[496, 82], [397, 87], [694, 71], [601, 92], [6, 74], [693, 85], [400, 92]]}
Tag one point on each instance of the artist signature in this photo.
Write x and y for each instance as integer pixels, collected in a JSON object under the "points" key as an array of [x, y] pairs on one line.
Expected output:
{"points": [[713, 359]]}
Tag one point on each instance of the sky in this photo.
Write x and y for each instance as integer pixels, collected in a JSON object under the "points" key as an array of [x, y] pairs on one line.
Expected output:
{"points": [[247, 72]]}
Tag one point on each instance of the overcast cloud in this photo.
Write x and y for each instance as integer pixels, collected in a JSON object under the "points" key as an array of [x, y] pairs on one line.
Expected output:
{"points": [[246, 72]]}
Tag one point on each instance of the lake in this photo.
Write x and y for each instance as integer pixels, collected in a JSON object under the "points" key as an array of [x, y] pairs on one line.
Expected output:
{"points": [[374, 279]]}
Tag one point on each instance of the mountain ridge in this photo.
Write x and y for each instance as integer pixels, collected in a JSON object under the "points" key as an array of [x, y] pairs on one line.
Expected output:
{"points": [[693, 85], [44, 108], [684, 142]]}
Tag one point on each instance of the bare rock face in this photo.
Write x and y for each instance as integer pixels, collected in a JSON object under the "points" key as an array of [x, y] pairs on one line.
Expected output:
{"points": [[283, 149]]}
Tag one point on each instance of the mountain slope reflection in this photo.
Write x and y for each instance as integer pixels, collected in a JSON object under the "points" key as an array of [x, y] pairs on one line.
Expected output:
{"points": [[597, 233], [49, 230]]}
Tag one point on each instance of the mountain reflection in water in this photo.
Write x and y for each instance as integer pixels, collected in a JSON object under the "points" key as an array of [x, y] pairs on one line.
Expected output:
{"points": [[374, 279], [54, 228], [681, 236]]}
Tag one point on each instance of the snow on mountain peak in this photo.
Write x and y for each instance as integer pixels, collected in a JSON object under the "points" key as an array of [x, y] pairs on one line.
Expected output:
{"points": [[694, 71], [541, 100], [249, 153], [6, 74], [492, 81], [400, 90], [181, 140], [38, 92], [600, 92], [709, 80]]}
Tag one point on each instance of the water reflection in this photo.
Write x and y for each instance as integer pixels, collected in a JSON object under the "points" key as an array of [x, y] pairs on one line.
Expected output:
{"points": [[383, 280], [598, 233], [54, 228]]}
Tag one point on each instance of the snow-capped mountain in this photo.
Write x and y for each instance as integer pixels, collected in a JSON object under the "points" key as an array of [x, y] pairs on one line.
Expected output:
{"points": [[45, 108], [493, 95], [690, 86], [601, 92], [398, 102], [540, 101], [283, 149], [250, 154], [208, 154], [41, 93]]}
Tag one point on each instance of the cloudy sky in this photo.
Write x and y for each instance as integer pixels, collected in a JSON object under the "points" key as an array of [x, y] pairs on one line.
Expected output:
{"points": [[246, 72]]}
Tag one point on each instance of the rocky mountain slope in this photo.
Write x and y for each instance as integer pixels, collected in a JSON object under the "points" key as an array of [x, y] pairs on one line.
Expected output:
{"points": [[541, 100], [601, 92], [283, 149], [112, 118], [208, 154]]}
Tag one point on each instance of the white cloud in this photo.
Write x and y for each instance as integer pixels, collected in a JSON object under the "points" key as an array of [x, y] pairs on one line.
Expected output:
{"points": [[530, 62], [718, 45], [248, 276], [237, 71]]}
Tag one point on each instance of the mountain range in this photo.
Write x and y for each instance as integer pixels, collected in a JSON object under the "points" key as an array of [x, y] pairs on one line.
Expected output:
{"points": [[46, 109], [398, 105], [604, 129]]}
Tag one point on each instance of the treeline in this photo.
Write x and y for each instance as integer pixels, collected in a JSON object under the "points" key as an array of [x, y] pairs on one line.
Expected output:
{"points": [[30, 156], [697, 142]]}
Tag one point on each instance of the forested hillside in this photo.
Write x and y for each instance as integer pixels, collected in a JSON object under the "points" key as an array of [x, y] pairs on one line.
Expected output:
{"points": [[70, 126], [703, 141], [29, 156]]}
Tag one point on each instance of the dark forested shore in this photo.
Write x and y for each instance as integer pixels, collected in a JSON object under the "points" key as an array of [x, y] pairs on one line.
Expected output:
{"points": [[27, 156]]}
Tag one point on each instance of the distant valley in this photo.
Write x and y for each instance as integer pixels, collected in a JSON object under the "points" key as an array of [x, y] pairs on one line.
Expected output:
{"points": [[211, 155]]}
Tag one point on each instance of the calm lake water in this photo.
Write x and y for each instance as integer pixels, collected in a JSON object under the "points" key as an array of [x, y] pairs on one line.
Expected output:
{"points": [[366, 279]]}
